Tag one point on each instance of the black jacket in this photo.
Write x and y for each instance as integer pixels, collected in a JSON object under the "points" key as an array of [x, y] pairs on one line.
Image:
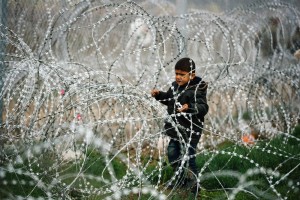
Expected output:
{"points": [[189, 123]]}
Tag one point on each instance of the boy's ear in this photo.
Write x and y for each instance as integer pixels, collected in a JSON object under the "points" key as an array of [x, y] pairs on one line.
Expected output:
{"points": [[193, 75]]}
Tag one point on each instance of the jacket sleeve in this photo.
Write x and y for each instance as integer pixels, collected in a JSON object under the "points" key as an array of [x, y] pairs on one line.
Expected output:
{"points": [[198, 104], [163, 97]]}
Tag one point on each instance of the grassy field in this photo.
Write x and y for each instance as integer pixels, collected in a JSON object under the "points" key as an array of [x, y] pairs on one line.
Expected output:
{"points": [[258, 172]]}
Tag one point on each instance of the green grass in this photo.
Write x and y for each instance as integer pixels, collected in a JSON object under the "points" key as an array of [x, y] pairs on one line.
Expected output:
{"points": [[281, 154]]}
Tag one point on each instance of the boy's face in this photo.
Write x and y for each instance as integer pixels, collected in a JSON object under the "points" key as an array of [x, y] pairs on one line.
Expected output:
{"points": [[183, 77]]}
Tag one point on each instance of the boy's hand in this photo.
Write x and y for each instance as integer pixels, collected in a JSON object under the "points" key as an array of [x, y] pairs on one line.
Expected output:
{"points": [[184, 107], [154, 92]]}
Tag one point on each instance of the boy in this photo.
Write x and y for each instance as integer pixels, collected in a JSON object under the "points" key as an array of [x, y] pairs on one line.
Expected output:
{"points": [[186, 105]]}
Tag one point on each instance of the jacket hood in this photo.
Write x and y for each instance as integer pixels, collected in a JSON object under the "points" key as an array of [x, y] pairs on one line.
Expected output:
{"points": [[202, 85]]}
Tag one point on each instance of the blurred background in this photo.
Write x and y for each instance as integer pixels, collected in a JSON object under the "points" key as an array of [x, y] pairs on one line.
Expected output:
{"points": [[77, 120]]}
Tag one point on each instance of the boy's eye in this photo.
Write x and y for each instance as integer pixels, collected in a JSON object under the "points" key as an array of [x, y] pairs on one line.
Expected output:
{"points": [[178, 74]]}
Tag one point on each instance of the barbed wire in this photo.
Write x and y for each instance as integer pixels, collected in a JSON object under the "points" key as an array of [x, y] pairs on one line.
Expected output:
{"points": [[75, 89]]}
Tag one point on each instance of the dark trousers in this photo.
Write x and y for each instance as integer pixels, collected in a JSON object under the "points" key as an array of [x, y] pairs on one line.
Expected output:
{"points": [[176, 151]]}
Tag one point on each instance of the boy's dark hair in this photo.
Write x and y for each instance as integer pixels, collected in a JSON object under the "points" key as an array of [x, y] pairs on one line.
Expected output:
{"points": [[185, 64]]}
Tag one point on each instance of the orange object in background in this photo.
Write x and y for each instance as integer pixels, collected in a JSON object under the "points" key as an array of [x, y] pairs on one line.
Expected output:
{"points": [[248, 139]]}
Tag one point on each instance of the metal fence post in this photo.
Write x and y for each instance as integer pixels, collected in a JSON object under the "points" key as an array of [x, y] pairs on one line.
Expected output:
{"points": [[3, 22]]}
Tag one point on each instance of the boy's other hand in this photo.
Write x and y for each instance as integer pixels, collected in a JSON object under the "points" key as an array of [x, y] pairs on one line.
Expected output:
{"points": [[184, 107], [154, 92]]}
